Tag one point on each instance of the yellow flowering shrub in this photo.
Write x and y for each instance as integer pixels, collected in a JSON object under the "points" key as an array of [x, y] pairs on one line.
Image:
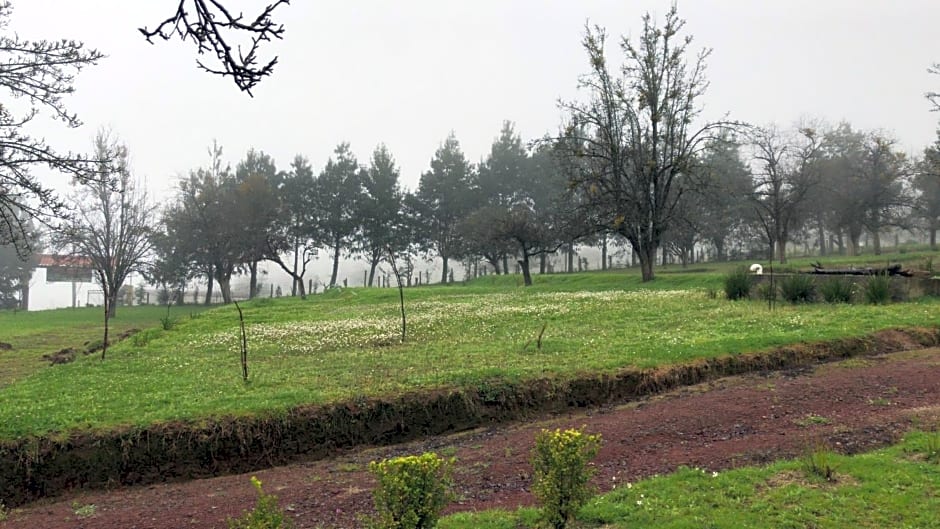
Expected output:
{"points": [[412, 491], [561, 463]]}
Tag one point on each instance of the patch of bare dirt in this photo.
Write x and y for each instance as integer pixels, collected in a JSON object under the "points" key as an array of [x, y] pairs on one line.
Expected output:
{"points": [[852, 406]]}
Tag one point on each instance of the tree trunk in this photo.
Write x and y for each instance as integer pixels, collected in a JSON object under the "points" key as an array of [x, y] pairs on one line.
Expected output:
{"points": [[253, 282], [604, 253], [372, 267], [876, 242], [524, 263], [494, 262], [933, 238], [542, 259], [647, 259], [210, 283], [570, 259], [374, 261], [24, 291], [822, 237], [853, 243], [505, 264], [336, 250], [293, 287], [112, 302], [782, 250], [226, 289], [719, 243], [444, 272]]}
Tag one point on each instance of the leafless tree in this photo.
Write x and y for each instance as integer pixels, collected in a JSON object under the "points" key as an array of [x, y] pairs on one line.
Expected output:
{"points": [[637, 134], [213, 27], [784, 174], [110, 224], [36, 75]]}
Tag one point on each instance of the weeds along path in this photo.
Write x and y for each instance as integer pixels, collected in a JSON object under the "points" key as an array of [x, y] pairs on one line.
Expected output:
{"points": [[853, 405]]}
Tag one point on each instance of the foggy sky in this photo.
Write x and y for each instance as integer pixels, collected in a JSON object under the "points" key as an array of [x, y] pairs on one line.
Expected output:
{"points": [[406, 73]]}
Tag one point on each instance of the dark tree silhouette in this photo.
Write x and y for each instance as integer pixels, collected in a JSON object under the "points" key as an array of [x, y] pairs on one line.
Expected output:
{"points": [[212, 27], [39, 74]]}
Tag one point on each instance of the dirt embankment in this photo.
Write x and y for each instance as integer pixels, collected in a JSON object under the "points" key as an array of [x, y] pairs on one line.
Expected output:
{"points": [[743, 420]]}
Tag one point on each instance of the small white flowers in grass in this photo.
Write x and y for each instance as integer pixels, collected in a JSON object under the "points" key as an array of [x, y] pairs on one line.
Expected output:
{"points": [[475, 316]]}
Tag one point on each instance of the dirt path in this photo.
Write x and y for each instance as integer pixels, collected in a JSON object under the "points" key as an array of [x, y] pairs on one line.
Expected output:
{"points": [[853, 405]]}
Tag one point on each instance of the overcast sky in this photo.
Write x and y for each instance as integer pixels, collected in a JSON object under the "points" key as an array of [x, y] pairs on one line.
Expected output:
{"points": [[407, 72]]}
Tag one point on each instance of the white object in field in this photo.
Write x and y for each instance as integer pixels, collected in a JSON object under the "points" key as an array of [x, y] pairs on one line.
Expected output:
{"points": [[757, 269]]}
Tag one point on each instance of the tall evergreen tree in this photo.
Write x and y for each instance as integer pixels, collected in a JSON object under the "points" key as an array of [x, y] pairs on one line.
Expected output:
{"points": [[380, 211], [339, 191], [296, 231], [442, 200], [257, 181]]}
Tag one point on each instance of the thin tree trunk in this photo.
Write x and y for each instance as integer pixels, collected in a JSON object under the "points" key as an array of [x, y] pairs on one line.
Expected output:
{"points": [[505, 264], [933, 238], [210, 283], [444, 272], [112, 303], [542, 262], [336, 250], [253, 282], [293, 287], [604, 253], [876, 242]]}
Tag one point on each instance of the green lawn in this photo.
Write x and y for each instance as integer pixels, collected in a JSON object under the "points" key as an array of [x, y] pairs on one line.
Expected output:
{"points": [[344, 344], [33, 334], [894, 487]]}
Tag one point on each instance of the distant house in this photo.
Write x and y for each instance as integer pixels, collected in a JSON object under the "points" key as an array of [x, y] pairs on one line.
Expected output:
{"points": [[60, 281]]}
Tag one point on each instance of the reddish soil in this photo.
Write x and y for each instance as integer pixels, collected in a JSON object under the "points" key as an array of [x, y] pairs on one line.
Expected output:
{"points": [[865, 403]]}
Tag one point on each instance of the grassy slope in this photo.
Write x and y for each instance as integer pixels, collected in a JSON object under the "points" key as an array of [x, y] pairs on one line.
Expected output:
{"points": [[33, 334], [893, 487], [344, 345]]}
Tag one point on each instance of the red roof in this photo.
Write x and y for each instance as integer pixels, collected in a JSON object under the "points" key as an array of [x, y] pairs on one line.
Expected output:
{"points": [[68, 261]]}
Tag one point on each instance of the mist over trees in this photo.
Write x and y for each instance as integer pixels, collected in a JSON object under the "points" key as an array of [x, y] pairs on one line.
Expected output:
{"points": [[634, 169]]}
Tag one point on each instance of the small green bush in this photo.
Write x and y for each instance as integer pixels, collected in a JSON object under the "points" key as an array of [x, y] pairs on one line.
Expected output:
{"points": [[738, 284], [877, 289], [818, 462], [561, 468], [798, 288], [265, 515], [412, 491], [837, 290]]}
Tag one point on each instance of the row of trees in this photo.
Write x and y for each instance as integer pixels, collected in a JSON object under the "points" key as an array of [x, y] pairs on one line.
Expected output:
{"points": [[634, 164], [226, 221]]}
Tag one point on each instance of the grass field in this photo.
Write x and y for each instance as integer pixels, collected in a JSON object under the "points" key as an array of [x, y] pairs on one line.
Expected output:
{"points": [[345, 344], [893, 487]]}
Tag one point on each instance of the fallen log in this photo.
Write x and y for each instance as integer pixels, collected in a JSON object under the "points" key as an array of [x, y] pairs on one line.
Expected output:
{"points": [[893, 270]]}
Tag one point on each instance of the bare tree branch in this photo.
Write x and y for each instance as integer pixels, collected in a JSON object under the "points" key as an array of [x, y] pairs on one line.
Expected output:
{"points": [[39, 74], [210, 25]]}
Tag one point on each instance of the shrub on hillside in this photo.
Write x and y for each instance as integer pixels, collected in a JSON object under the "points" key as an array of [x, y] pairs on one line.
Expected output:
{"points": [[412, 491], [798, 288], [561, 465], [837, 290], [738, 284]]}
